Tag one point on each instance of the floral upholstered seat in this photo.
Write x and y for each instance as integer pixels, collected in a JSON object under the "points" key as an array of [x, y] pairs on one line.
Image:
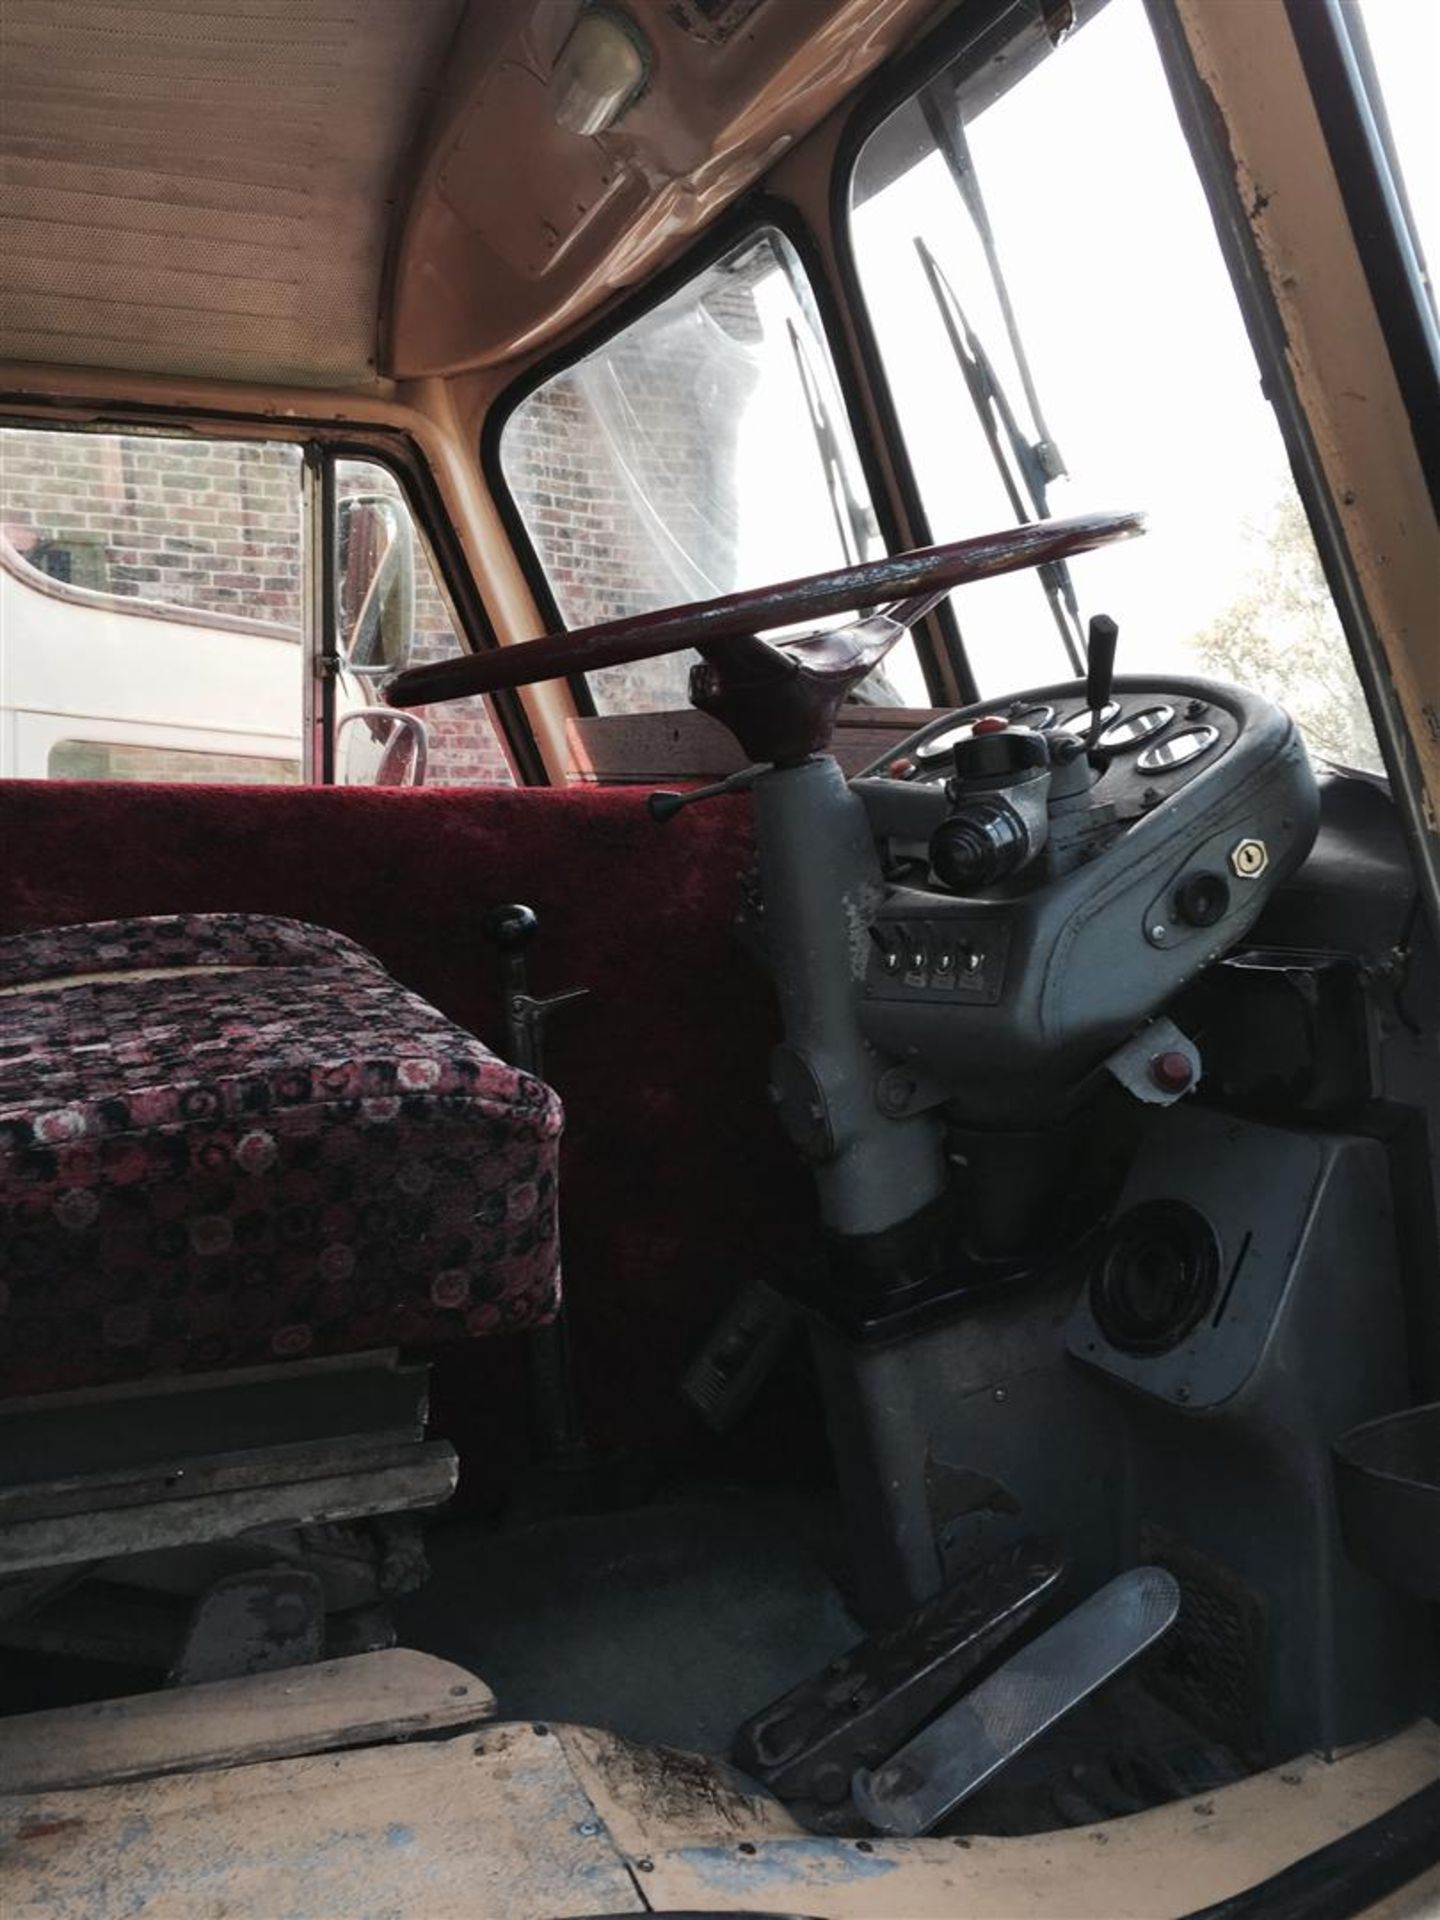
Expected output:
{"points": [[227, 1139]]}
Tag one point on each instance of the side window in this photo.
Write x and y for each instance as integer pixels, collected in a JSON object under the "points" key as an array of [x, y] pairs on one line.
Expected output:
{"points": [[151, 594], [1059, 334], [152, 613], [703, 449], [392, 610]]}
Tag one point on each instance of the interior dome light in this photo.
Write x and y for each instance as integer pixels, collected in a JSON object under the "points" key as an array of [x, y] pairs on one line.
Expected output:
{"points": [[602, 70]]}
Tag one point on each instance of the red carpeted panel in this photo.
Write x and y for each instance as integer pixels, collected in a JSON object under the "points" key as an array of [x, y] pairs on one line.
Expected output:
{"points": [[675, 1181]]}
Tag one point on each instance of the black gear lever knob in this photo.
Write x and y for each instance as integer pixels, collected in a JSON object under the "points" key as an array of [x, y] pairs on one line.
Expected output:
{"points": [[511, 927], [1099, 673]]}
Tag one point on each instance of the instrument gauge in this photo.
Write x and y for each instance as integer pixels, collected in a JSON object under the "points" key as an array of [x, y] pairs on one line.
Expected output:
{"points": [[1081, 723], [1133, 728], [932, 753], [1178, 751]]}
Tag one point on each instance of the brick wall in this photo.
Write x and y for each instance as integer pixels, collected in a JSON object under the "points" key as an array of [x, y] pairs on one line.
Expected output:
{"points": [[214, 527], [623, 469]]}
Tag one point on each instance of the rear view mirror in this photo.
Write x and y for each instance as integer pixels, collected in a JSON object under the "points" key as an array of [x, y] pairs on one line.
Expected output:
{"points": [[375, 583]]}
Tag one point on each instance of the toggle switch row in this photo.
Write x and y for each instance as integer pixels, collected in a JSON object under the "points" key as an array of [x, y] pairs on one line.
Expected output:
{"points": [[925, 953]]}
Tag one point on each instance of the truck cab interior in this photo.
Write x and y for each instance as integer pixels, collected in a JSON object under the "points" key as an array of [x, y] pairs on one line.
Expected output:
{"points": [[719, 996]]}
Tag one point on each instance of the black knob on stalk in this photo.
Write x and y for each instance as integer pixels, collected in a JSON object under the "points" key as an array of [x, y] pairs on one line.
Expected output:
{"points": [[1099, 672], [511, 927], [983, 841]]}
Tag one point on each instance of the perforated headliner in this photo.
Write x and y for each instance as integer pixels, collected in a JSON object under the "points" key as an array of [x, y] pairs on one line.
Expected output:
{"points": [[206, 186]]}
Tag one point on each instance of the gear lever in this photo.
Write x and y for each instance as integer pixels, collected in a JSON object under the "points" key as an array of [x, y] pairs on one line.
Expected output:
{"points": [[510, 929], [1099, 673]]}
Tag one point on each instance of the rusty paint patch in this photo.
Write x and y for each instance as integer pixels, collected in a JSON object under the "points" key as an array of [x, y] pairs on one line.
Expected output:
{"points": [[683, 1788], [43, 1829]]}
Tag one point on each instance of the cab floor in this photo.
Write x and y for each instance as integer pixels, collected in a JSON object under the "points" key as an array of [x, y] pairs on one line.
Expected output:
{"points": [[673, 1622], [669, 1624]]}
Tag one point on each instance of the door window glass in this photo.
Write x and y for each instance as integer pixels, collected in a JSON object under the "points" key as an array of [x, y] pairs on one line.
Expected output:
{"points": [[703, 449], [152, 597], [1059, 334], [115, 760]]}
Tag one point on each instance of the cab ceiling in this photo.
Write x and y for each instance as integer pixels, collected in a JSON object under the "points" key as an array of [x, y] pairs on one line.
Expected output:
{"points": [[321, 193], [206, 186]]}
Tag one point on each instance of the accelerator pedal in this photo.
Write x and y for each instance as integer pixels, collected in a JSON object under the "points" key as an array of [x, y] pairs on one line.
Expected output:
{"points": [[970, 1741]]}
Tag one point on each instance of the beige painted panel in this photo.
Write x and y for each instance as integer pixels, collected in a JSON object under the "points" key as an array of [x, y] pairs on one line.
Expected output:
{"points": [[698, 1844], [488, 1827], [519, 1823], [1246, 56], [206, 189], [358, 1702], [482, 277]]}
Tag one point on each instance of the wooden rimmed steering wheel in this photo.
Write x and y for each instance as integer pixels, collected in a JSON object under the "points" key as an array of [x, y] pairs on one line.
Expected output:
{"points": [[778, 697]]}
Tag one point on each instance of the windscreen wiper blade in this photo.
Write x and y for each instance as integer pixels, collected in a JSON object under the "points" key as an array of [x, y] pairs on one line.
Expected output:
{"points": [[997, 416], [947, 130]]}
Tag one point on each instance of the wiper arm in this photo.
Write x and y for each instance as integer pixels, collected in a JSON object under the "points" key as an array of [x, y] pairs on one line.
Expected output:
{"points": [[995, 414]]}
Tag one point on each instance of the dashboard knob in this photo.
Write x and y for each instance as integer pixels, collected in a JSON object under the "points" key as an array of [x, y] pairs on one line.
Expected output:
{"points": [[981, 842]]}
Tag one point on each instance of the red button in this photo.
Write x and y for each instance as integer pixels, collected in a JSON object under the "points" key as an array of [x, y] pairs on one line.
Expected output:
{"points": [[990, 723], [1172, 1071]]}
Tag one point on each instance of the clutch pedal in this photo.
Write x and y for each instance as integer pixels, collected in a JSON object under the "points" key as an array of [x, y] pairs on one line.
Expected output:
{"points": [[971, 1740]]}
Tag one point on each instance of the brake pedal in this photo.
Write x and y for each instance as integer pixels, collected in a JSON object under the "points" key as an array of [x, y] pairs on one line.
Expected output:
{"points": [[973, 1739], [806, 1745]]}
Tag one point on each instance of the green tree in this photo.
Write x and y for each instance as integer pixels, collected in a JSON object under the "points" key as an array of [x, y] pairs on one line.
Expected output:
{"points": [[1284, 639]]}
